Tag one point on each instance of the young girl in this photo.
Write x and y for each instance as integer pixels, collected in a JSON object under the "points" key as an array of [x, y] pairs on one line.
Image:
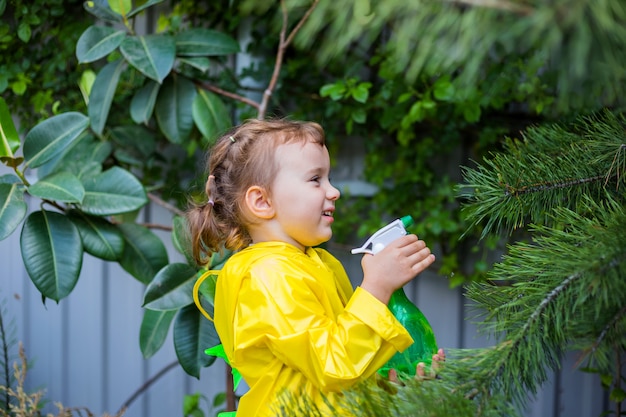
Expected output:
{"points": [[285, 311]]}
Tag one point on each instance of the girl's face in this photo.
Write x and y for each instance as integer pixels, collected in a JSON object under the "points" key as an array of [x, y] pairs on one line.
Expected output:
{"points": [[302, 195]]}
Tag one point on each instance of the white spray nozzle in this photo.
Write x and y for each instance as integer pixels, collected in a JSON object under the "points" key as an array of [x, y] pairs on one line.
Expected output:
{"points": [[384, 236]]}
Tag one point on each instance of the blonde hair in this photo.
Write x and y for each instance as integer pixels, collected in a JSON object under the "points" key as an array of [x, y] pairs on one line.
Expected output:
{"points": [[241, 158]]}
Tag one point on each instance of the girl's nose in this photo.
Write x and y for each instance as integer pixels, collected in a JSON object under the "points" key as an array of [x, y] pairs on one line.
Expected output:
{"points": [[333, 193]]}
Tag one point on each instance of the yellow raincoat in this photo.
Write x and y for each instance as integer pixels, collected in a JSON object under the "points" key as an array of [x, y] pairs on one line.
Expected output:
{"points": [[290, 320]]}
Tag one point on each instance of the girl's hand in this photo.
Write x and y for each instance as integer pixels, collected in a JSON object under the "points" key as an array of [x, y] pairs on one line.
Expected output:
{"points": [[394, 266], [420, 370]]}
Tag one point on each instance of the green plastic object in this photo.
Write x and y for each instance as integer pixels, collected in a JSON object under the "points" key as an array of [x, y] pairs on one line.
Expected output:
{"points": [[424, 346]]}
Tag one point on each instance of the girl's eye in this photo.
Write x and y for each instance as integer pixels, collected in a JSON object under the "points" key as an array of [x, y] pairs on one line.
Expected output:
{"points": [[315, 179]]}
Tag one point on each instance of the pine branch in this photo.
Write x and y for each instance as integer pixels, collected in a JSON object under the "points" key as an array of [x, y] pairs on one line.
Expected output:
{"points": [[567, 293], [551, 167]]}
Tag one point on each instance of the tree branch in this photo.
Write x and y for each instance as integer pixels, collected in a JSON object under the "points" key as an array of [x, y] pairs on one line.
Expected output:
{"points": [[234, 96], [158, 200], [282, 47]]}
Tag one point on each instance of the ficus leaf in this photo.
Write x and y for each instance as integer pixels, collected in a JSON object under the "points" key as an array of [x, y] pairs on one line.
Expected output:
{"points": [[152, 55], [193, 334], [100, 238], [174, 108], [205, 42], [97, 42], [155, 326], [62, 186], [52, 252], [9, 138], [12, 208], [171, 288], [113, 191], [102, 93], [50, 137], [210, 115], [142, 104], [144, 253]]}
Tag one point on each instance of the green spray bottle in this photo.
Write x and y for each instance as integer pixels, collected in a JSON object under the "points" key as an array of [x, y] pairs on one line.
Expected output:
{"points": [[407, 313]]}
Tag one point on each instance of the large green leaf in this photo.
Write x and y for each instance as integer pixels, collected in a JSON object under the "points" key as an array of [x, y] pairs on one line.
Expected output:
{"points": [[139, 139], [97, 42], [174, 108], [113, 191], [205, 42], [52, 253], [50, 137], [143, 7], [9, 139], [192, 335], [100, 238], [62, 186], [171, 288], [101, 10], [210, 115], [181, 238], [152, 55], [102, 93], [12, 208], [83, 157], [142, 104], [144, 253], [154, 328], [121, 7]]}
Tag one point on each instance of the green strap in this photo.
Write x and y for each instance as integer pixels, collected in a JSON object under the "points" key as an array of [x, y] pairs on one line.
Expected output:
{"points": [[219, 352]]}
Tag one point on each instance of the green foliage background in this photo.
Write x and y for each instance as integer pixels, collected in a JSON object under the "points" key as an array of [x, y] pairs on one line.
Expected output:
{"points": [[421, 89]]}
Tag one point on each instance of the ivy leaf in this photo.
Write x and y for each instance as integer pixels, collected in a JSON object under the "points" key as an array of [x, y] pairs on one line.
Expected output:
{"points": [[50, 137], [174, 108], [62, 186], [114, 191], [155, 326], [205, 42], [361, 92], [210, 115], [24, 32], [52, 252], [335, 91], [102, 93], [443, 89], [152, 55], [171, 288], [97, 42], [12, 207], [9, 138]]}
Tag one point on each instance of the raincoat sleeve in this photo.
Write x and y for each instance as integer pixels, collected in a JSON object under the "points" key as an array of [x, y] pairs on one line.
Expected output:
{"points": [[291, 313]]}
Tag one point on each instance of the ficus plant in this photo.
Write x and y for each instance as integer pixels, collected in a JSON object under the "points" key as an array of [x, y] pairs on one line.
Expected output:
{"points": [[87, 172]]}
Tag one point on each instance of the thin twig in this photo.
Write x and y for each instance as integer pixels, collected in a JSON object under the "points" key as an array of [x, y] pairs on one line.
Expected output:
{"points": [[228, 94], [147, 385], [280, 53], [158, 200]]}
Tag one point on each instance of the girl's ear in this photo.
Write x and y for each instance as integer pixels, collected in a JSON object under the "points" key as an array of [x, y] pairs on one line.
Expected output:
{"points": [[259, 203]]}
